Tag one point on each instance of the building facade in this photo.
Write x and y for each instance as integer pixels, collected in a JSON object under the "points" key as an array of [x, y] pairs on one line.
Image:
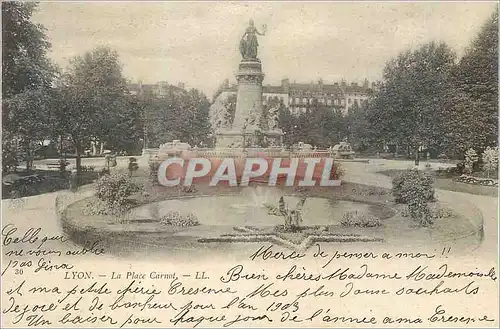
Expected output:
{"points": [[299, 97], [159, 89]]}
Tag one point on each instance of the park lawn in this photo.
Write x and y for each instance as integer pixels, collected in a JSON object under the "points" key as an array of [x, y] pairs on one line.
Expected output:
{"points": [[450, 185], [447, 183], [48, 181]]}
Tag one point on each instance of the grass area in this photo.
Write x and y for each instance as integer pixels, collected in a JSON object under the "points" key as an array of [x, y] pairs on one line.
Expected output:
{"points": [[450, 185], [446, 182], [23, 184]]}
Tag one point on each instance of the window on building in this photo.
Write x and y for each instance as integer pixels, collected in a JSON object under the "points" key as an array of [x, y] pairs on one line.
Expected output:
{"points": [[304, 101], [297, 100], [349, 100], [342, 102], [311, 100], [336, 102], [329, 102]]}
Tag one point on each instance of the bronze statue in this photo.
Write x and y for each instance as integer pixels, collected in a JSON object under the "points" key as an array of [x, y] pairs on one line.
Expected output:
{"points": [[249, 43]]}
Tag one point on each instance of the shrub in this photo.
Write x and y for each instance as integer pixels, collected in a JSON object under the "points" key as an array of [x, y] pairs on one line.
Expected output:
{"points": [[411, 184], [460, 168], [104, 172], [175, 218], [470, 159], [87, 169], [357, 219], [97, 207], [419, 211], [415, 189], [115, 189], [490, 160]]}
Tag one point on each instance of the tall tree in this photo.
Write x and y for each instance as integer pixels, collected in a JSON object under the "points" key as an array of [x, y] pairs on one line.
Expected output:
{"points": [[91, 96], [358, 127], [288, 124], [27, 75], [125, 128], [24, 50], [32, 119], [408, 109], [179, 114], [472, 110]]}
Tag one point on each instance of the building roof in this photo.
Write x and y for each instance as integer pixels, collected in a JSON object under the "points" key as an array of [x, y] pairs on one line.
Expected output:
{"points": [[336, 88], [356, 89], [273, 89], [148, 88]]}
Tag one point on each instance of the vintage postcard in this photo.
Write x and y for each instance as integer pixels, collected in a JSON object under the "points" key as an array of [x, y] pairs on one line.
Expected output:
{"points": [[249, 164]]}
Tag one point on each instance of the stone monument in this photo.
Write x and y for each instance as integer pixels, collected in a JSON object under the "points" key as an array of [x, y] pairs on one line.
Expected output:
{"points": [[250, 127]]}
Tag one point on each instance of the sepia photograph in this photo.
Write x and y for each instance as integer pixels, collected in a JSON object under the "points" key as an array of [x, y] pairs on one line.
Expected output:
{"points": [[249, 164]]}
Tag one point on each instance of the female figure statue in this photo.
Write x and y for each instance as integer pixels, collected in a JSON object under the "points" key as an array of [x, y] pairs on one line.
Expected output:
{"points": [[249, 43]]}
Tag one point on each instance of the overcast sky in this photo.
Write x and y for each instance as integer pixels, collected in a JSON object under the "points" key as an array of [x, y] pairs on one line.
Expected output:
{"points": [[197, 42]]}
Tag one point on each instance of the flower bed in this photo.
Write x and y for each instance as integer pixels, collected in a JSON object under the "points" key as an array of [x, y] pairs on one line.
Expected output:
{"points": [[357, 219], [476, 181], [175, 218], [302, 240]]}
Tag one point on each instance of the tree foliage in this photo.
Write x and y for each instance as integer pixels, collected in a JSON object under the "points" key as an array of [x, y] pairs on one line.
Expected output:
{"points": [[92, 98], [27, 75], [472, 111], [24, 50], [428, 99], [320, 126], [471, 158], [180, 114], [407, 111], [490, 160]]}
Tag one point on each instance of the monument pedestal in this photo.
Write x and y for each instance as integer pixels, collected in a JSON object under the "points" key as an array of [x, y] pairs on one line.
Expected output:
{"points": [[246, 129], [229, 139], [249, 96], [248, 138]]}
